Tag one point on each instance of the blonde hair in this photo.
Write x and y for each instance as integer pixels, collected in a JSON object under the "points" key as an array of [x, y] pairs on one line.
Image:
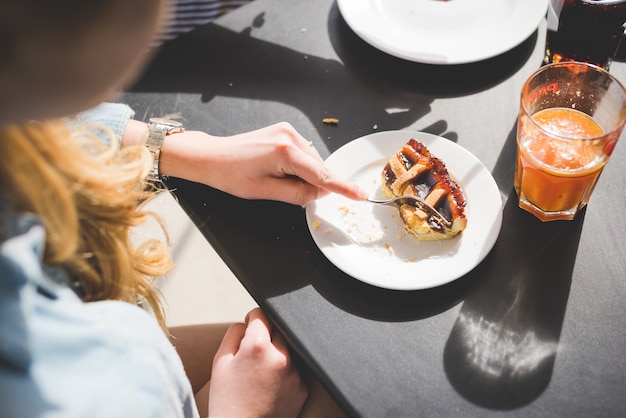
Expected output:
{"points": [[88, 198]]}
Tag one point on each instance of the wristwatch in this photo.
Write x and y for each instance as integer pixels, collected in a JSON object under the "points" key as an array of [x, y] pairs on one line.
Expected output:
{"points": [[158, 129]]}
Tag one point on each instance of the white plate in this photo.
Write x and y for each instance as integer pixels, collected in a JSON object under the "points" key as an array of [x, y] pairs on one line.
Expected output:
{"points": [[443, 32], [369, 242]]}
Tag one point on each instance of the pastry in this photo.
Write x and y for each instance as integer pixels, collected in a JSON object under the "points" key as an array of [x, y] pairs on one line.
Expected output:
{"points": [[414, 171]]}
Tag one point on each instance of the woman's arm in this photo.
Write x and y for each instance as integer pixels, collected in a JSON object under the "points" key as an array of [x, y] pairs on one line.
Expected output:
{"points": [[274, 163]]}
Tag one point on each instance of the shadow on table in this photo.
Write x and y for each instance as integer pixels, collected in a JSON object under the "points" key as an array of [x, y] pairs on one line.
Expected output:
{"points": [[225, 221], [386, 305], [217, 62], [367, 90], [502, 348]]}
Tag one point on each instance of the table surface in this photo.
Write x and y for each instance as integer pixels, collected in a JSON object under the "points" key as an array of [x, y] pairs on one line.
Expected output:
{"points": [[537, 329]]}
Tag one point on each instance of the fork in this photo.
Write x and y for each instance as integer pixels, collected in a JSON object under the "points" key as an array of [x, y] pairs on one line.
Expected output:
{"points": [[415, 201]]}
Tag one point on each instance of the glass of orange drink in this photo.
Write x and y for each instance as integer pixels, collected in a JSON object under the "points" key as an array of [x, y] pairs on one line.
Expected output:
{"points": [[571, 116]]}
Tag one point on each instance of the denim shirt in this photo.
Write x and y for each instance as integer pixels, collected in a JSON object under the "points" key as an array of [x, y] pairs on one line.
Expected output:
{"points": [[62, 357], [114, 116]]}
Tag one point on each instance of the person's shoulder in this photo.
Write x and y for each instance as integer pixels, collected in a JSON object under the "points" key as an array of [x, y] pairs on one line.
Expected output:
{"points": [[130, 329], [119, 330], [60, 356], [106, 358]]}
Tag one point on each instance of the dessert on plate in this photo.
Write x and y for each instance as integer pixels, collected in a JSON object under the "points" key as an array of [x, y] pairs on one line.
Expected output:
{"points": [[413, 171]]}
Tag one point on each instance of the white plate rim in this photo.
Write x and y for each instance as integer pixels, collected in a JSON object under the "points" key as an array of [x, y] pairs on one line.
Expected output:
{"points": [[481, 43], [369, 261]]}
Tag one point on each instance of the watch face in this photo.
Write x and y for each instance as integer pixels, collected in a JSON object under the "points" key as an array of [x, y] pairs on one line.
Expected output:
{"points": [[167, 122]]}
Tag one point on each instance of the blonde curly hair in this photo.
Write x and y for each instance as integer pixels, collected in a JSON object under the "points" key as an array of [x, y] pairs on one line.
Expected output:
{"points": [[88, 197]]}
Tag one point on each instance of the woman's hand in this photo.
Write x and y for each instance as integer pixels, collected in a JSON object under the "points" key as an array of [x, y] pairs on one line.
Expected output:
{"points": [[253, 375], [274, 163]]}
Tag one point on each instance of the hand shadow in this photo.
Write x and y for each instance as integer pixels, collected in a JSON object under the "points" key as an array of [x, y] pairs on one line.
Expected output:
{"points": [[502, 348]]}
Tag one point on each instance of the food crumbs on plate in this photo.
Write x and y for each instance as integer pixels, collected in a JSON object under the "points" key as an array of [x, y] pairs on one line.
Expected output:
{"points": [[331, 121], [412, 259], [316, 224], [329, 231], [389, 248], [344, 210]]}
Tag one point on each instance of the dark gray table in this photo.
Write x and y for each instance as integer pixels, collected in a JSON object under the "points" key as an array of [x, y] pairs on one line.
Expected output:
{"points": [[537, 329]]}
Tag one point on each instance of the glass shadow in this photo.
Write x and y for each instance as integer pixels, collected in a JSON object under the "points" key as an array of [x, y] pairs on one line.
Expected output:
{"points": [[501, 351]]}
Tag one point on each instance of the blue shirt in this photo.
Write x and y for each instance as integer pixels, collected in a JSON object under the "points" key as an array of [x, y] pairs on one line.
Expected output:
{"points": [[62, 357]]}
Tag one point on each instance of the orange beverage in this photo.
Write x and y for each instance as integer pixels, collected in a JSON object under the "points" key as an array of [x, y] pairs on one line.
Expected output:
{"points": [[558, 176], [571, 116]]}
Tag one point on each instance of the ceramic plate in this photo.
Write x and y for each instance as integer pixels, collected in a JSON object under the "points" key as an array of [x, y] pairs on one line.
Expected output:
{"points": [[443, 32], [369, 242]]}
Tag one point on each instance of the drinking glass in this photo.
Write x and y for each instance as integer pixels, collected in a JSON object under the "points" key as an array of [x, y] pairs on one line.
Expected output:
{"points": [[585, 30], [571, 116]]}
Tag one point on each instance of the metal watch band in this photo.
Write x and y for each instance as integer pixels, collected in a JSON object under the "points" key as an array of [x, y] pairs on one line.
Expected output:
{"points": [[158, 129]]}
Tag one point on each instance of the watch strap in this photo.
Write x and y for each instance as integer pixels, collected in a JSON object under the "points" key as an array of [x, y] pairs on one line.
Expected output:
{"points": [[158, 129]]}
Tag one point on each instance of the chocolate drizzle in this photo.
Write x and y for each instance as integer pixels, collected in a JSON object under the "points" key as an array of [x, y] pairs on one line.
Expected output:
{"points": [[414, 171]]}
